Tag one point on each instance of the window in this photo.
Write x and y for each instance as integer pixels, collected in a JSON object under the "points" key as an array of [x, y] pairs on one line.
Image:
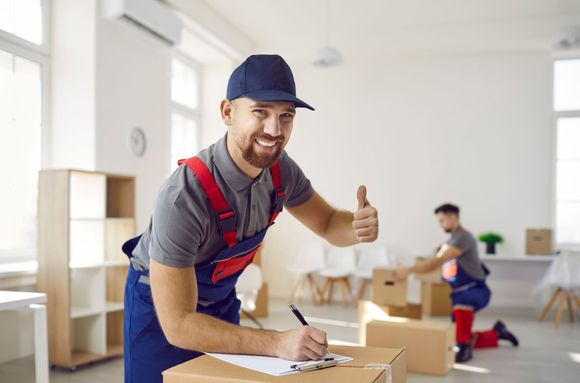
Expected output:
{"points": [[22, 18], [185, 116], [23, 70], [567, 123]]}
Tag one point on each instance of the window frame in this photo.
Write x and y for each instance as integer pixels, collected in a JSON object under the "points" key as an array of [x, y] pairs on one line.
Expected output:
{"points": [[39, 54], [194, 114], [556, 116]]}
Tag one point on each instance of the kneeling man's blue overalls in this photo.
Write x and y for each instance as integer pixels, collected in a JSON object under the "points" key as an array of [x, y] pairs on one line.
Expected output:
{"points": [[468, 296], [147, 351]]}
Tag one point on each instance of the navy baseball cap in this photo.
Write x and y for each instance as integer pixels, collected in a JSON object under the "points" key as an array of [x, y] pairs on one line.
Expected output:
{"points": [[264, 78]]}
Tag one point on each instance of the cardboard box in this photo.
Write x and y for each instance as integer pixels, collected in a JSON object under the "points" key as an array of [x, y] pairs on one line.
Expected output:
{"points": [[430, 343], [388, 366], [435, 299], [411, 311], [261, 310], [432, 276], [386, 291], [539, 241]]}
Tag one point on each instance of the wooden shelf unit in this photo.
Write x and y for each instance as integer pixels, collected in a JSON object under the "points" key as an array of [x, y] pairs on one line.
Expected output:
{"points": [[83, 219]]}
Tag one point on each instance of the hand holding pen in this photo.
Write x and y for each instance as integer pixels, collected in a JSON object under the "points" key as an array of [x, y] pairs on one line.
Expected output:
{"points": [[304, 343]]}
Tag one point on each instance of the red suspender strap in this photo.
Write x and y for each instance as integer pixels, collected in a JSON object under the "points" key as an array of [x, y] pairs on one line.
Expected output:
{"points": [[225, 216], [278, 193]]}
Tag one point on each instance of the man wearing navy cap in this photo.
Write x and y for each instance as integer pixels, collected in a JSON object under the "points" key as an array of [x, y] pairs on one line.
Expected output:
{"points": [[209, 220]]}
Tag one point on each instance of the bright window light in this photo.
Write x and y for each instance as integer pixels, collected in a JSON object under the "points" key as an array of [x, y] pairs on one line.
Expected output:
{"points": [[20, 153], [184, 84], [184, 143], [22, 18], [468, 368], [568, 180]]}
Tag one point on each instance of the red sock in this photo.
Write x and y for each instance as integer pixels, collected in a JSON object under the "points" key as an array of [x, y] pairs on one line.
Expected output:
{"points": [[463, 321], [485, 339]]}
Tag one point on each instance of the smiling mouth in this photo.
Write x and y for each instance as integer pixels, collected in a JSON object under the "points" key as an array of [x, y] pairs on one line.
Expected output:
{"points": [[266, 143]]}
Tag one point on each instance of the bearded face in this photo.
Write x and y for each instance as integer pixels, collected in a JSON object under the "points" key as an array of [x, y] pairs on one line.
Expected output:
{"points": [[259, 130], [261, 150]]}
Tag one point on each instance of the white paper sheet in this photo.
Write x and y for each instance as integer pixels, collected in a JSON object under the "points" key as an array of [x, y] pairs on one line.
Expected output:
{"points": [[271, 365]]}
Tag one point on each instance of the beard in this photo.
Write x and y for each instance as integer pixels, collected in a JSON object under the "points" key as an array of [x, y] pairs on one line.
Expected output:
{"points": [[261, 160]]}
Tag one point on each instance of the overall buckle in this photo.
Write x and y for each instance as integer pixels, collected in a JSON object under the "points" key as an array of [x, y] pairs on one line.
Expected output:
{"points": [[226, 220]]}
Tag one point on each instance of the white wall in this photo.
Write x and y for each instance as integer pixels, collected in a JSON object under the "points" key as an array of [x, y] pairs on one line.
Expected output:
{"points": [[419, 131], [133, 72], [72, 84]]}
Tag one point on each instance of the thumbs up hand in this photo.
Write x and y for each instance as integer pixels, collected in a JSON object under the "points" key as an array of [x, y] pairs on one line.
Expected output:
{"points": [[366, 220]]}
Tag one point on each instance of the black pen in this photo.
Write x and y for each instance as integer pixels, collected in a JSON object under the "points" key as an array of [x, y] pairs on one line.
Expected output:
{"points": [[298, 315]]}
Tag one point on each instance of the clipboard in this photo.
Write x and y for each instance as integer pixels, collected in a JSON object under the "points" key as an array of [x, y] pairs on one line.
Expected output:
{"points": [[311, 366]]}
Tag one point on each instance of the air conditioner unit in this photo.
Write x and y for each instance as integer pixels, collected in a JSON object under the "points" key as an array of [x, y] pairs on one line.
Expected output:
{"points": [[150, 15]]}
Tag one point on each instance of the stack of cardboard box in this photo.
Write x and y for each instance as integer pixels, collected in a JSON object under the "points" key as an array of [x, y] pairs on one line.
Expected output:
{"points": [[391, 295], [429, 344], [435, 292]]}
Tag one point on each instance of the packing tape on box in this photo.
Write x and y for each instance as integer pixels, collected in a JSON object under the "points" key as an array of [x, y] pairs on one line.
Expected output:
{"points": [[382, 366]]}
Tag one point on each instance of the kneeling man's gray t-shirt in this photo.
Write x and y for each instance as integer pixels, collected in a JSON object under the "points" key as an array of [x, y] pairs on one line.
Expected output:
{"points": [[183, 231], [469, 258]]}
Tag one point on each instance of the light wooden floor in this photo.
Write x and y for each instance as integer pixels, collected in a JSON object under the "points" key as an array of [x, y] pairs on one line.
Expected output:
{"points": [[545, 354]]}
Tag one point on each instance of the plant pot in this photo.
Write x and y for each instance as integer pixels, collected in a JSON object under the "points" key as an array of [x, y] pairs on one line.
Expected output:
{"points": [[490, 248]]}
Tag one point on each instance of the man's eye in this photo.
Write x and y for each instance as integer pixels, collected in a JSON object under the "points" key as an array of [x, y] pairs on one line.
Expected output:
{"points": [[260, 111], [287, 115]]}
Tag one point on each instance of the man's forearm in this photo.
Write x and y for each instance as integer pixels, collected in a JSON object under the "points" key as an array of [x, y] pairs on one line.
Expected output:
{"points": [[339, 231], [427, 266], [205, 333]]}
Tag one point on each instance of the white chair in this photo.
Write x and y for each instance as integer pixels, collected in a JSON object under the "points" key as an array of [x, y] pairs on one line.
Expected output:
{"points": [[247, 287], [340, 264], [563, 276], [370, 257], [309, 260]]}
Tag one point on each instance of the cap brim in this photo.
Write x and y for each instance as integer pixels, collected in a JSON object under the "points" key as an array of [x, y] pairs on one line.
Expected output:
{"points": [[276, 96]]}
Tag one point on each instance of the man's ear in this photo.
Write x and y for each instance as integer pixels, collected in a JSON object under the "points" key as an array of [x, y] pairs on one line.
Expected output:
{"points": [[226, 108]]}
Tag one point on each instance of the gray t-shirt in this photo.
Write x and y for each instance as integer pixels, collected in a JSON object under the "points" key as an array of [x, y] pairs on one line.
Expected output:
{"points": [[183, 231], [469, 258]]}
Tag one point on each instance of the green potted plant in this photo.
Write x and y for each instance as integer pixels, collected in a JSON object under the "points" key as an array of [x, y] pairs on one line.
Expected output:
{"points": [[490, 239]]}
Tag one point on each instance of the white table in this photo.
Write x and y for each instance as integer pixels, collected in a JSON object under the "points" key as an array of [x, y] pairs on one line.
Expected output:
{"points": [[513, 278], [15, 300]]}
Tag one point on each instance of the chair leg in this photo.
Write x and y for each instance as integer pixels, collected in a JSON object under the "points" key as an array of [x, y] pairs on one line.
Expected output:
{"points": [[570, 308], [330, 290], [576, 300], [344, 291], [316, 300], [560, 309], [325, 290], [549, 305]]}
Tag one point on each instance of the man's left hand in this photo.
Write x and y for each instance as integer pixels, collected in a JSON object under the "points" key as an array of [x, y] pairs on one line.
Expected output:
{"points": [[366, 220]]}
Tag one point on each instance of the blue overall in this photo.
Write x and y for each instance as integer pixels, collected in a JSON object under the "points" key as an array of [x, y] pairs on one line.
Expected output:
{"points": [[466, 290], [146, 350]]}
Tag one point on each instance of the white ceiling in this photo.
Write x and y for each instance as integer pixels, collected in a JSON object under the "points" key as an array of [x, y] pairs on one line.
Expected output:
{"points": [[373, 29]]}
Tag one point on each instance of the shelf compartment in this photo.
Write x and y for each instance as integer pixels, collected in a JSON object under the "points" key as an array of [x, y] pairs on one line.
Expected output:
{"points": [[115, 333], [117, 232], [116, 277], [87, 289], [88, 335], [87, 195], [120, 196], [86, 242]]}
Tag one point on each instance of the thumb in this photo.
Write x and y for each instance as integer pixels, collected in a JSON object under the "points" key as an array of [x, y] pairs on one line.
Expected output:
{"points": [[361, 196]]}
